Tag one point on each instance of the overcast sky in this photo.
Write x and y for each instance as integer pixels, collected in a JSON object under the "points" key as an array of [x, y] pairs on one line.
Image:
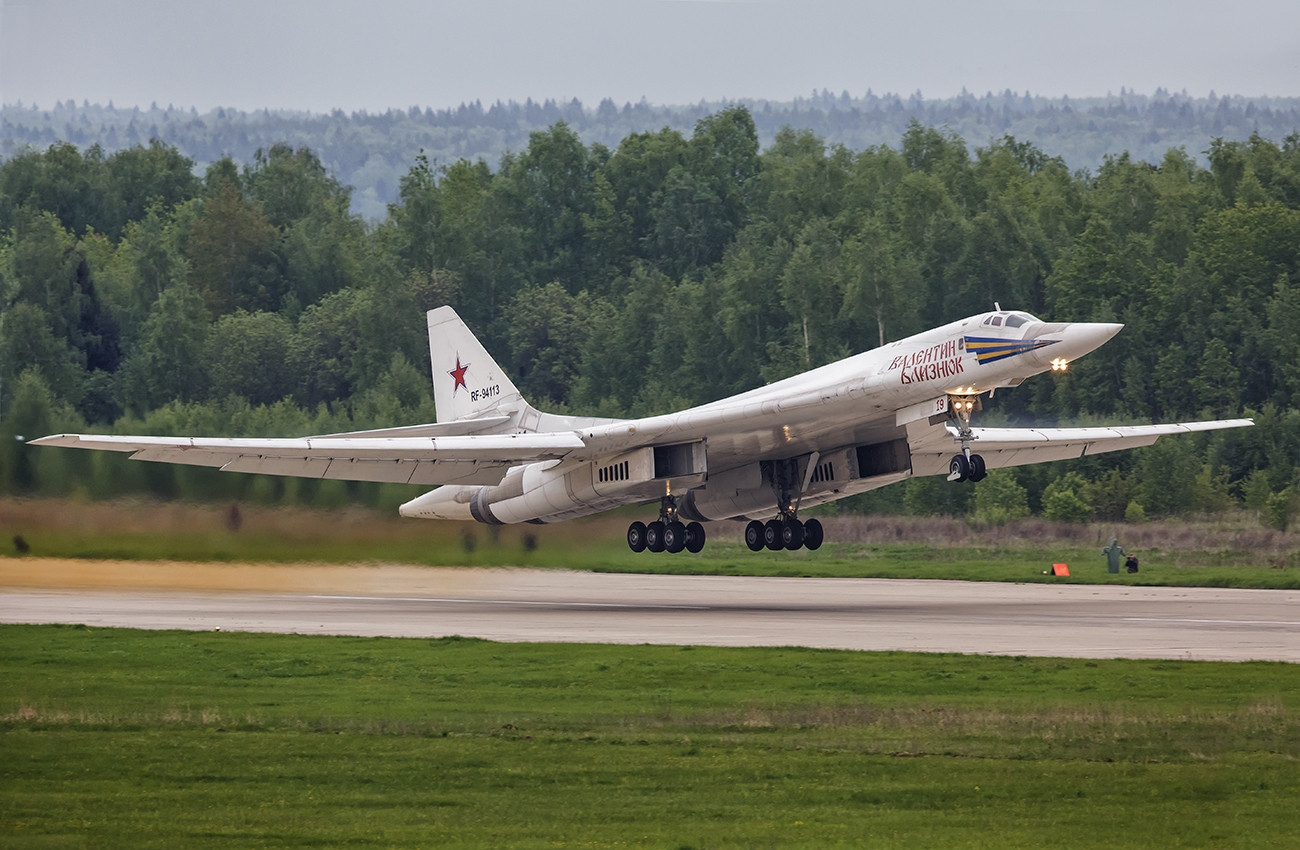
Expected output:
{"points": [[375, 54]]}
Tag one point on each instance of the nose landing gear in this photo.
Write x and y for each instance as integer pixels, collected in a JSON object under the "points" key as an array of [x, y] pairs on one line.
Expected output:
{"points": [[965, 466]]}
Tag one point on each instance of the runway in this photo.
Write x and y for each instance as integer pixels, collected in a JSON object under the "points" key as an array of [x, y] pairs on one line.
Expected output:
{"points": [[1085, 621]]}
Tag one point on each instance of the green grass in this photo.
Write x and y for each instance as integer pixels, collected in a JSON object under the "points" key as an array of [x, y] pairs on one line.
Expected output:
{"points": [[841, 560], [1176, 554], [974, 563], [116, 738]]}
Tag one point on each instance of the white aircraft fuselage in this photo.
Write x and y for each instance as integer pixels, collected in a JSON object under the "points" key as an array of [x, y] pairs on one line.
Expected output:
{"points": [[866, 399]]}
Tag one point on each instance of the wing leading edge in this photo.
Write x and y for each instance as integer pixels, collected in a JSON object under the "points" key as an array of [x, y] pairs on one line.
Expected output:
{"points": [[931, 447], [468, 459]]}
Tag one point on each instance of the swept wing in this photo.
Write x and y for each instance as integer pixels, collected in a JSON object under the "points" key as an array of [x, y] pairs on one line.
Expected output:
{"points": [[1003, 447], [470, 459]]}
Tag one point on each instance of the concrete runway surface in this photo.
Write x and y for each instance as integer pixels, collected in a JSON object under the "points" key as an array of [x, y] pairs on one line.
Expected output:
{"points": [[1085, 621]]}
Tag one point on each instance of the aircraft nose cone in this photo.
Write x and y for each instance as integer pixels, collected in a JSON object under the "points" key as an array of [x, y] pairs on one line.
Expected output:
{"points": [[1099, 332], [1081, 337]]}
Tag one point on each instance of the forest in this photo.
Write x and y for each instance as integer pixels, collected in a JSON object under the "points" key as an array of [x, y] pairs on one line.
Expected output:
{"points": [[142, 293], [372, 151]]}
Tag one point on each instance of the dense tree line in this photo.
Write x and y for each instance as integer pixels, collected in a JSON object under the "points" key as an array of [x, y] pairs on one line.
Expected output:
{"points": [[667, 270], [372, 151]]}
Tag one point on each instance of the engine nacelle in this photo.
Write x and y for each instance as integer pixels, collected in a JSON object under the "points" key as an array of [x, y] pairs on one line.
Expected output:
{"points": [[750, 491], [559, 490], [548, 492]]}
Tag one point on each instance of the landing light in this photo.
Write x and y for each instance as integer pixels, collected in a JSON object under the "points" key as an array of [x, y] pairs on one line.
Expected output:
{"points": [[1060, 364]]}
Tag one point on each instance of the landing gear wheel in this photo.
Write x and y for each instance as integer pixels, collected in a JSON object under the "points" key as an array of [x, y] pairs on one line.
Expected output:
{"points": [[792, 534], [674, 537], [754, 536], [772, 535], [978, 472], [812, 534], [636, 537], [654, 536], [694, 538], [958, 468]]}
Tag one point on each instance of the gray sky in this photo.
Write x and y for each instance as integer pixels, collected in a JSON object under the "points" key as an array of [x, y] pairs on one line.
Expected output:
{"points": [[376, 54]]}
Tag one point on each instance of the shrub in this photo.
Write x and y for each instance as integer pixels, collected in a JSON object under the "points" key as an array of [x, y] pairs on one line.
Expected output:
{"points": [[999, 499], [1135, 513], [1277, 510], [1211, 492], [1109, 495], [1167, 474], [933, 496], [1255, 490], [1064, 499]]}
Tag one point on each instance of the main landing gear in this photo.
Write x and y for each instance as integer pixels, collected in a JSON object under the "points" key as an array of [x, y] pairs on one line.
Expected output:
{"points": [[666, 534], [965, 466], [784, 532]]}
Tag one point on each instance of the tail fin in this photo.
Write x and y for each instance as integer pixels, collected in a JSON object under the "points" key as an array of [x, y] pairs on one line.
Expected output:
{"points": [[467, 382]]}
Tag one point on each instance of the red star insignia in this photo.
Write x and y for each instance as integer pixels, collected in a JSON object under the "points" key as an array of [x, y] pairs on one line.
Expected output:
{"points": [[459, 374]]}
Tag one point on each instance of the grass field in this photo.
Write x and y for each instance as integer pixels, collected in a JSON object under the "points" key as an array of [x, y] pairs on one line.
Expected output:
{"points": [[1226, 554], [117, 738]]}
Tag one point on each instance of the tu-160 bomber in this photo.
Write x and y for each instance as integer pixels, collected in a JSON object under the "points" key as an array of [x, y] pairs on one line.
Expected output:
{"points": [[876, 418]]}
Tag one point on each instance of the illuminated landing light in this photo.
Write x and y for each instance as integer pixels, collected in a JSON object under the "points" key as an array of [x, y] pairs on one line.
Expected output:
{"points": [[1060, 364]]}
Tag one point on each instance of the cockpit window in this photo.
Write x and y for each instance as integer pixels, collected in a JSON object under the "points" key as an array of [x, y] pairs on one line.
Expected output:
{"points": [[1013, 320]]}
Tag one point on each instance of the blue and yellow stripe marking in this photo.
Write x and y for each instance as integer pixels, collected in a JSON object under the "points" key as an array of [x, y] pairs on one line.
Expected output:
{"points": [[992, 349]]}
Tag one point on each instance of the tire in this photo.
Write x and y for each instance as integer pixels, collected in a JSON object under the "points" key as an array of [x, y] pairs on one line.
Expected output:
{"points": [[792, 534], [978, 472], [694, 538], [959, 467], [654, 536], [754, 536], [636, 537], [812, 534], [674, 537], [772, 535]]}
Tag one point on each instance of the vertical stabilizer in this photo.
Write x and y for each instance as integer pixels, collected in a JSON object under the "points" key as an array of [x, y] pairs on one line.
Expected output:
{"points": [[467, 382]]}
